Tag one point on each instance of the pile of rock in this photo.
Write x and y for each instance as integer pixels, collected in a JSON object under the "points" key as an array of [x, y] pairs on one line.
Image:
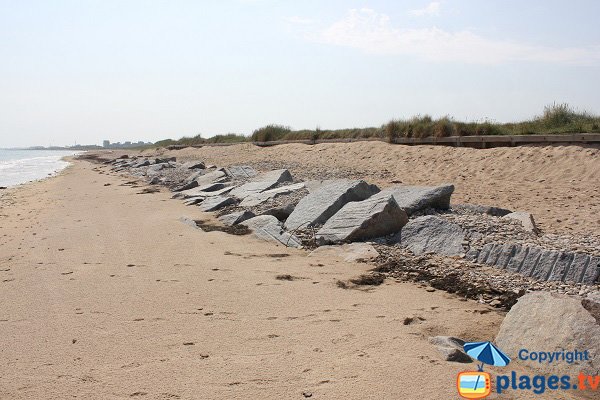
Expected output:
{"points": [[416, 218]]}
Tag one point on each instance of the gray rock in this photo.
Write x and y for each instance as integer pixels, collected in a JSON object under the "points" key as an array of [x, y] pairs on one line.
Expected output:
{"points": [[193, 201], [578, 268], [165, 160], [155, 180], [314, 185], [201, 192], [269, 228], [280, 212], [561, 266], [542, 321], [193, 165], [508, 252], [544, 265], [212, 187], [416, 198], [193, 176], [216, 202], [531, 261], [211, 177], [261, 183], [516, 262], [186, 186], [158, 167], [592, 272], [526, 219], [433, 234], [259, 198], [189, 221], [241, 172], [451, 348], [539, 263], [484, 253], [200, 178], [495, 253], [472, 254], [374, 217], [321, 204], [139, 164], [351, 252], [479, 209], [236, 217]]}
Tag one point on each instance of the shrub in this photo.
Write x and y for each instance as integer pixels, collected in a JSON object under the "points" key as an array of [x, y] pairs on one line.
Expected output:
{"points": [[228, 138], [393, 130], [443, 128], [270, 132], [556, 115]]}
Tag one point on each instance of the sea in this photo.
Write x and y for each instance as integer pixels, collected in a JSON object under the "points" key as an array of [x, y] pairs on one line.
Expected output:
{"points": [[22, 166]]}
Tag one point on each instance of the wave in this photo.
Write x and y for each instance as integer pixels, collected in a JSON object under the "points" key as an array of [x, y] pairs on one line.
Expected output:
{"points": [[21, 166]]}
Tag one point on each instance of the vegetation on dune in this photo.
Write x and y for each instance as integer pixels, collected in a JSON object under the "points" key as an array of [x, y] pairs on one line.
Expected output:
{"points": [[557, 118]]}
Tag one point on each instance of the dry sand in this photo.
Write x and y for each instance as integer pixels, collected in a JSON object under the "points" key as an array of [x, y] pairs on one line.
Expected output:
{"points": [[560, 185], [106, 295]]}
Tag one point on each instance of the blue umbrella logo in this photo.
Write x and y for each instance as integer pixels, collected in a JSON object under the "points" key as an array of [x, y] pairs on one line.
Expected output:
{"points": [[487, 353]]}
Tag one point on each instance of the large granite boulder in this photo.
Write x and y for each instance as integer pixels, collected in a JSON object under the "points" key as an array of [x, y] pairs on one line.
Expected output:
{"points": [[416, 198], [141, 163], [267, 227], [241, 172], [236, 217], [259, 198], [210, 190], [432, 234], [281, 212], [193, 165], [216, 202], [211, 177], [263, 182], [321, 204], [543, 321], [377, 216]]}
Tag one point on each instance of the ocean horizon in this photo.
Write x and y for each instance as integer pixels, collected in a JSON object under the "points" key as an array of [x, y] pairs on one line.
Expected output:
{"points": [[21, 166]]}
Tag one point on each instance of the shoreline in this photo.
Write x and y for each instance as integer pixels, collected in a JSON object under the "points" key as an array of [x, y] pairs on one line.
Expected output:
{"points": [[56, 171]]}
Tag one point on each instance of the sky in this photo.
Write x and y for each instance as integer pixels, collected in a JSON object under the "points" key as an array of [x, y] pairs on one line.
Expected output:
{"points": [[82, 71]]}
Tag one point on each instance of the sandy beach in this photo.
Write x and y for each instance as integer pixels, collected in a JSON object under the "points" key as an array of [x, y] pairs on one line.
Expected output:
{"points": [[107, 295]]}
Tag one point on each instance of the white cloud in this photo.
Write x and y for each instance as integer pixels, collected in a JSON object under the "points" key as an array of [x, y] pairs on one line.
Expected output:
{"points": [[432, 8], [372, 32]]}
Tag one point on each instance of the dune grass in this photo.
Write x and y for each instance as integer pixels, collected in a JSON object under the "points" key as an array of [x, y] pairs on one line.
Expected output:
{"points": [[557, 118]]}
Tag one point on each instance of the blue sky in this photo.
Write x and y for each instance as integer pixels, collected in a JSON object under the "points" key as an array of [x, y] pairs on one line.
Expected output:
{"points": [[86, 70]]}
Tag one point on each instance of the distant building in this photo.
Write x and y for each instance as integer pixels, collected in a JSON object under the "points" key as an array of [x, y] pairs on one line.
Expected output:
{"points": [[118, 145]]}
